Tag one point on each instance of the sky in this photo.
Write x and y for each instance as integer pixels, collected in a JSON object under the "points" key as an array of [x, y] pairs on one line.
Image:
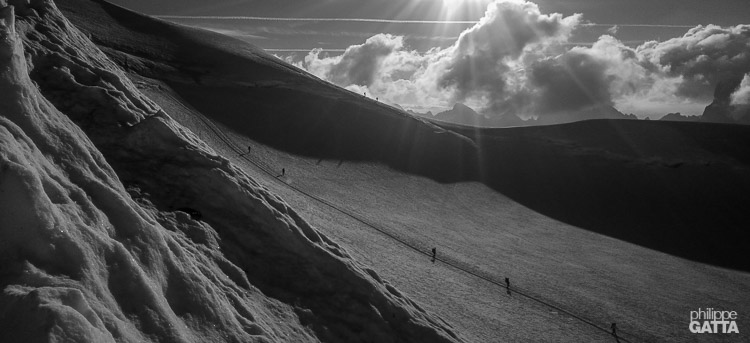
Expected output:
{"points": [[498, 56]]}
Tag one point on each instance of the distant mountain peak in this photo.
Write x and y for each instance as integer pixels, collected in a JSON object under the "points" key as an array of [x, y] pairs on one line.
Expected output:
{"points": [[721, 109], [677, 116], [463, 108]]}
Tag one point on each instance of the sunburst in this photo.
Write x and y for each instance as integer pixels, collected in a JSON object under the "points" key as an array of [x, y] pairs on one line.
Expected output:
{"points": [[450, 6]]}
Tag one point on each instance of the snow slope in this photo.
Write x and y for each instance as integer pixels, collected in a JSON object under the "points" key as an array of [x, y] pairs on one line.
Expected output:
{"points": [[680, 180], [648, 293], [87, 255], [275, 109], [275, 103]]}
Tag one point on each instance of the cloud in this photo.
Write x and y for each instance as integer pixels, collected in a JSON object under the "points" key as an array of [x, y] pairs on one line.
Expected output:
{"points": [[480, 62], [383, 65], [701, 58], [359, 63], [741, 96], [517, 60], [571, 81]]}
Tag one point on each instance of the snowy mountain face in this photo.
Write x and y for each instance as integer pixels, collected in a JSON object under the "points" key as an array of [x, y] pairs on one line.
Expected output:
{"points": [[120, 225]]}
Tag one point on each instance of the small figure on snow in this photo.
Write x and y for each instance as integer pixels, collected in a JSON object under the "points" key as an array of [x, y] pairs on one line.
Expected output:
{"points": [[249, 149]]}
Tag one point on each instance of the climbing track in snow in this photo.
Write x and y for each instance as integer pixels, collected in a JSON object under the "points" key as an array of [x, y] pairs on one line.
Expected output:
{"points": [[415, 246]]}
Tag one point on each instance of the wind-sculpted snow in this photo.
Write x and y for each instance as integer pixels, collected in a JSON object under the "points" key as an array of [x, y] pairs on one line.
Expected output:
{"points": [[93, 253]]}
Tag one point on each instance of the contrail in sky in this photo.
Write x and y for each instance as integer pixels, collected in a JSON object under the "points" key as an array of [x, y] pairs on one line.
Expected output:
{"points": [[389, 21], [640, 25], [363, 20], [304, 50]]}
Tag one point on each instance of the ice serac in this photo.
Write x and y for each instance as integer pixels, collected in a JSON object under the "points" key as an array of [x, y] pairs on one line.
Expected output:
{"points": [[92, 248]]}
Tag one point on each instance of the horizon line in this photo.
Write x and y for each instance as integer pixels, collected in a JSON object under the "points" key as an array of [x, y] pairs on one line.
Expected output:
{"points": [[391, 21]]}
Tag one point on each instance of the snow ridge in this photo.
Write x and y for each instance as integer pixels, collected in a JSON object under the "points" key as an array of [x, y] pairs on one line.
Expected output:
{"points": [[93, 248]]}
